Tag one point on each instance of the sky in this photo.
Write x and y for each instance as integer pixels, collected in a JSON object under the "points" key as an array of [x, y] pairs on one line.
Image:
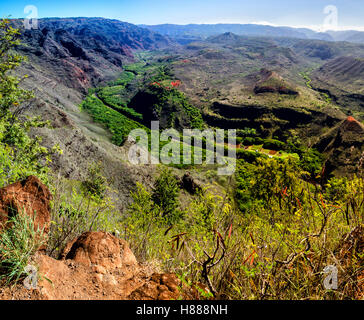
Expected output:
{"points": [[341, 15]]}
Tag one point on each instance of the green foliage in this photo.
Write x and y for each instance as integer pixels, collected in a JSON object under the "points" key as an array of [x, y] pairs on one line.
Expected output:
{"points": [[307, 78], [114, 95], [142, 225], [11, 95], [273, 144], [246, 132], [311, 160], [174, 101], [95, 184], [21, 155], [269, 254], [125, 78], [267, 183], [118, 124], [252, 140], [336, 189], [248, 156], [165, 196], [18, 243], [163, 72]]}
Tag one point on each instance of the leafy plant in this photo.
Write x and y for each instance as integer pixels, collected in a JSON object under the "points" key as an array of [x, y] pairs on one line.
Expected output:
{"points": [[75, 212]]}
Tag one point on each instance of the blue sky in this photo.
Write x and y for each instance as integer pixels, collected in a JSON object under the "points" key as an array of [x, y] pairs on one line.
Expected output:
{"points": [[277, 12]]}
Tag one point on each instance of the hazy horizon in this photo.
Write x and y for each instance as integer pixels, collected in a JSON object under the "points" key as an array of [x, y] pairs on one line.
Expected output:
{"points": [[342, 15]]}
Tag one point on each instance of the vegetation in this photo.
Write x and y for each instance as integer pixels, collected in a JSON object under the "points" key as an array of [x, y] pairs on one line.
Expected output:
{"points": [[173, 102], [76, 210], [276, 250], [18, 243], [95, 183], [165, 196], [307, 78], [20, 154]]}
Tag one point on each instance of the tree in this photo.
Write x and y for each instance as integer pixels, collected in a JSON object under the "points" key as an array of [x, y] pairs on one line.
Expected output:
{"points": [[23, 154], [11, 95]]}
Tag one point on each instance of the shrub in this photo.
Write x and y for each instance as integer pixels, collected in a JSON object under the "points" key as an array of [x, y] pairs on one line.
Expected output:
{"points": [[21, 155], [165, 196], [336, 189], [273, 145], [95, 184]]}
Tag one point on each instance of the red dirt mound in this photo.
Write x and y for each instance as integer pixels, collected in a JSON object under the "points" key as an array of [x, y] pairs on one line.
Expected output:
{"points": [[102, 249], [29, 196]]}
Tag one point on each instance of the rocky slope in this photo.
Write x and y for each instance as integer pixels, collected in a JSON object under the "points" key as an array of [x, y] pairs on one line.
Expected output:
{"points": [[342, 79], [343, 147], [85, 51]]}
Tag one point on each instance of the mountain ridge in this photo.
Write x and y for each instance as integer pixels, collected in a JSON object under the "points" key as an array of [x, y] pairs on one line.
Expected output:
{"points": [[202, 31]]}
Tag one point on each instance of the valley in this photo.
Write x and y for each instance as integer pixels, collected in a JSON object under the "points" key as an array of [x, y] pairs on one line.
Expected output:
{"points": [[294, 98]]}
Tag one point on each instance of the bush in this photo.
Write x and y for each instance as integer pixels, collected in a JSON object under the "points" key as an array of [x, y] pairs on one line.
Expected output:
{"points": [[20, 154], [95, 184], [165, 196], [336, 189], [273, 145]]}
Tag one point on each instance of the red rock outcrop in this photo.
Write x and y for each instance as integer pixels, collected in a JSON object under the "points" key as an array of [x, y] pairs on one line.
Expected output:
{"points": [[29, 196], [101, 249], [351, 124]]}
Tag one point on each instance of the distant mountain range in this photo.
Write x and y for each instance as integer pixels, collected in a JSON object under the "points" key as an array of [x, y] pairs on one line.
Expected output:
{"points": [[185, 33]]}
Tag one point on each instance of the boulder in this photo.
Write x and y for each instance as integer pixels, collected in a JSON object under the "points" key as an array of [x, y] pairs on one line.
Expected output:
{"points": [[101, 249], [29, 196]]}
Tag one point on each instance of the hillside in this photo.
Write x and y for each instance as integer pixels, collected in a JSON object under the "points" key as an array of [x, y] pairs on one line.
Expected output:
{"points": [[341, 78], [343, 146]]}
